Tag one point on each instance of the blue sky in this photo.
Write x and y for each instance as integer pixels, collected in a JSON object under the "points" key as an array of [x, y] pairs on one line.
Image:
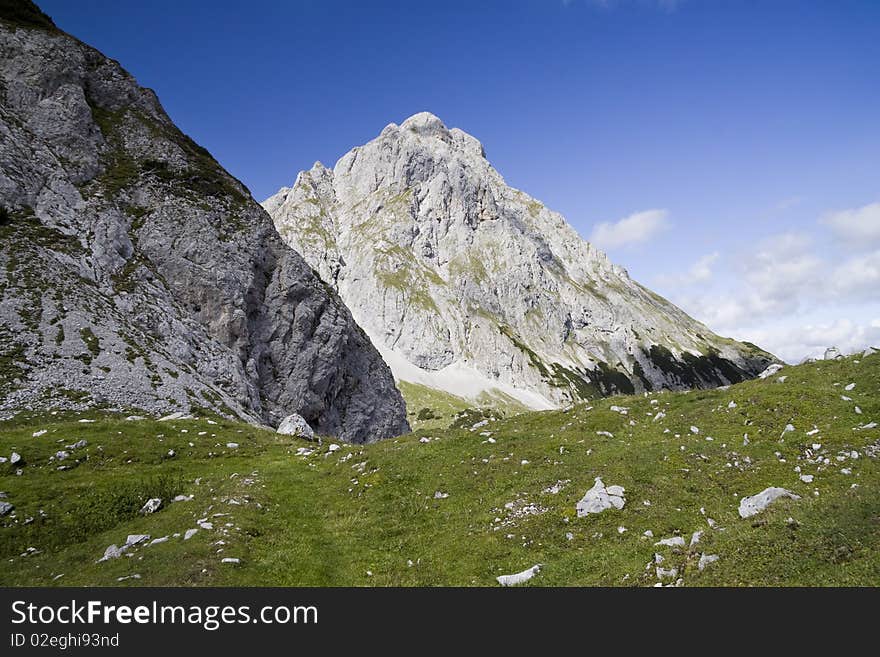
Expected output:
{"points": [[726, 152]]}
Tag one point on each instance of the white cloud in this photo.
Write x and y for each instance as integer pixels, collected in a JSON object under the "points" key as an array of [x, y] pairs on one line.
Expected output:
{"points": [[857, 225], [858, 277], [635, 228], [699, 272], [793, 343]]}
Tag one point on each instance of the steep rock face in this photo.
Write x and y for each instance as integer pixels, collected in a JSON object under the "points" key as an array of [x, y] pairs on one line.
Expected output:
{"points": [[134, 271], [468, 285]]}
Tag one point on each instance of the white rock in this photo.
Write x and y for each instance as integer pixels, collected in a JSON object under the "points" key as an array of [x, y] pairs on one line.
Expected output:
{"points": [[296, 425], [732, 404], [770, 371], [424, 439], [807, 479], [440, 496], [648, 533], [232, 445], [113, 552], [6, 508], [173, 416], [695, 538], [39, 433], [750, 506], [850, 386], [858, 410], [695, 430], [664, 573], [706, 559], [675, 541], [334, 447], [519, 578], [832, 353], [14, 458], [61, 455], [621, 529], [189, 533], [233, 560], [599, 498], [136, 539], [182, 498], [157, 541], [152, 505]]}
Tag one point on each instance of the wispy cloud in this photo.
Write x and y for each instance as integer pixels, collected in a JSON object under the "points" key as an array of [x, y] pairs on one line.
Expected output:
{"points": [[634, 229]]}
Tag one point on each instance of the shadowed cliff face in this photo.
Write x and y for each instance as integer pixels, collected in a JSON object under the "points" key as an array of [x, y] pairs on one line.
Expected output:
{"points": [[135, 272], [464, 281]]}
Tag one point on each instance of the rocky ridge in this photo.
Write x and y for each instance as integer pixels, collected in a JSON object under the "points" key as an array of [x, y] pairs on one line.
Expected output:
{"points": [[135, 272]]}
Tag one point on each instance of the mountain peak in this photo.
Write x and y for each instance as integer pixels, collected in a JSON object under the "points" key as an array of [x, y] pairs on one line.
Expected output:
{"points": [[467, 285], [424, 123]]}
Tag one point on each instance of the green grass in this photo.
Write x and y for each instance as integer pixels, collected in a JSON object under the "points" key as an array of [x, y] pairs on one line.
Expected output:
{"points": [[328, 518]]}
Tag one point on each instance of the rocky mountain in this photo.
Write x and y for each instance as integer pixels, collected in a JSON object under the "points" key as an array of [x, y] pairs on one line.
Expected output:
{"points": [[136, 273], [470, 286]]}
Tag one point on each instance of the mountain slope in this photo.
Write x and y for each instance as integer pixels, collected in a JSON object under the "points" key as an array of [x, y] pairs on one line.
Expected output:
{"points": [[136, 272], [305, 515], [468, 285]]}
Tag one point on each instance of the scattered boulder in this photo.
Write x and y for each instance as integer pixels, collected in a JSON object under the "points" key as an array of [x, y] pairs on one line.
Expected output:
{"points": [[832, 353], [770, 371], [706, 559], [599, 498], [189, 533], [440, 496], [519, 578], [152, 505], [675, 541], [232, 560], [750, 506], [296, 425], [182, 498], [79, 444], [136, 539], [61, 455], [5, 508], [174, 416], [232, 445], [14, 458], [113, 552]]}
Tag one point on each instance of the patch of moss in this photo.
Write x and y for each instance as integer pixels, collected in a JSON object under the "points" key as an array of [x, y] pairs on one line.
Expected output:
{"points": [[24, 13], [91, 341]]}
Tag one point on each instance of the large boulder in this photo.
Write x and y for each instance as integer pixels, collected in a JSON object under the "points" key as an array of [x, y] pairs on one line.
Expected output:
{"points": [[296, 425]]}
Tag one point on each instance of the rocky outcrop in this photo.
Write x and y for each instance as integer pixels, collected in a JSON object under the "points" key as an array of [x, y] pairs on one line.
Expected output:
{"points": [[135, 272], [468, 285]]}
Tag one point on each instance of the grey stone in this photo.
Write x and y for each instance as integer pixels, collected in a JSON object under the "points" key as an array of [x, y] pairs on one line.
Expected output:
{"points": [[6, 508], [706, 559], [599, 498], [519, 578], [296, 425], [174, 280], [151, 506], [750, 506]]}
